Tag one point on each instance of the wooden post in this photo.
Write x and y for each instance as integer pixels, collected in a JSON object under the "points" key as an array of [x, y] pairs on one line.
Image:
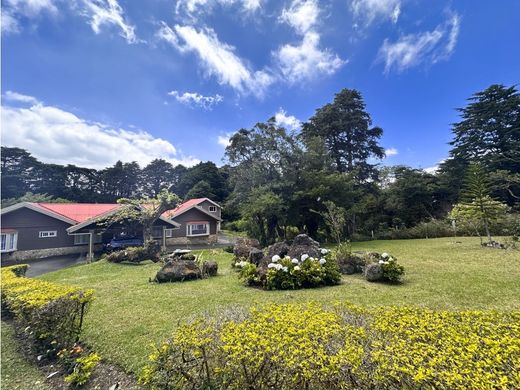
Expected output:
{"points": [[164, 238], [90, 256]]}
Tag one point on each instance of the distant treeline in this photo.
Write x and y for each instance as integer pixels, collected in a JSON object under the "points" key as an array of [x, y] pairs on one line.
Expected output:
{"points": [[276, 181]]}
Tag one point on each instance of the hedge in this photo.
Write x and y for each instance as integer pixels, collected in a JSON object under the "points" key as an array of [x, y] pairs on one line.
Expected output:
{"points": [[50, 314], [341, 346]]}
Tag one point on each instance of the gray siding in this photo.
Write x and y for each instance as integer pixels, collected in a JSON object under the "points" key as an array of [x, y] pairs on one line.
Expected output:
{"points": [[205, 205], [29, 223], [190, 216]]}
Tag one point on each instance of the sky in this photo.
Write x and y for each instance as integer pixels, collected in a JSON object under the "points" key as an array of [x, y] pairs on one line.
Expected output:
{"points": [[90, 82]]}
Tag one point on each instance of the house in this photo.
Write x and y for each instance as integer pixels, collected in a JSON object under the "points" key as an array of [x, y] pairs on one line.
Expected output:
{"points": [[199, 222], [37, 230]]}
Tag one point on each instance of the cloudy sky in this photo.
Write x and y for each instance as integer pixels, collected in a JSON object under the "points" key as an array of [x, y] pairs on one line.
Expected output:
{"points": [[89, 82]]}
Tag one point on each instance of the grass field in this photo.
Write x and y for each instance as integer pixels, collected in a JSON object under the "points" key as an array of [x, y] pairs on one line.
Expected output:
{"points": [[129, 313]]}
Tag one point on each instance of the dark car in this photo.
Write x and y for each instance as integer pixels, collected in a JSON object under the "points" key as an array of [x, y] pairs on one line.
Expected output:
{"points": [[121, 243]]}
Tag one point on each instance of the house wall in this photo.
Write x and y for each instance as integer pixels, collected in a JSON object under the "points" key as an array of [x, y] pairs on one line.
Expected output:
{"points": [[190, 216], [205, 205], [28, 224]]}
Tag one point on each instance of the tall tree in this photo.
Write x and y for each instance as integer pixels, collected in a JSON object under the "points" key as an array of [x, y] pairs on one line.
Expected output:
{"points": [[20, 172], [156, 176], [347, 129]]}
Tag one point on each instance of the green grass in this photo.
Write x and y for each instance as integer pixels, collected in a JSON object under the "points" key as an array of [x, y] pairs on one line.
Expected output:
{"points": [[17, 372], [129, 313]]}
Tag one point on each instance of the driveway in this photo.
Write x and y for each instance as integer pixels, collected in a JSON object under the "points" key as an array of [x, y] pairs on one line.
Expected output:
{"points": [[42, 266]]}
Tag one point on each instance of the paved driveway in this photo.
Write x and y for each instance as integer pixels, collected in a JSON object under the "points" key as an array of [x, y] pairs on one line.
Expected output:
{"points": [[42, 266]]}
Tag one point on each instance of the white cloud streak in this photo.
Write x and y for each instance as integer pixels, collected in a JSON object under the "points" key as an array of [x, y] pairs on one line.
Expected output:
{"points": [[109, 12], [367, 11], [192, 99], [224, 140], [391, 152], [57, 136], [18, 97], [217, 58], [428, 47], [306, 60], [194, 8]]}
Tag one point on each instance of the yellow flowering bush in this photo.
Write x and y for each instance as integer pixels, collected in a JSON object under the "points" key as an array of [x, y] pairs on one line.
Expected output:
{"points": [[311, 346], [50, 313]]}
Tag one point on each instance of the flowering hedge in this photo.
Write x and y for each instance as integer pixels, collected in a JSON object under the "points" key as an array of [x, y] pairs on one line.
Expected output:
{"points": [[50, 314], [309, 346]]}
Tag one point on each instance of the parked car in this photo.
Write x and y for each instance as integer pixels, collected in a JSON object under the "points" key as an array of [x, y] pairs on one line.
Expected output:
{"points": [[121, 243]]}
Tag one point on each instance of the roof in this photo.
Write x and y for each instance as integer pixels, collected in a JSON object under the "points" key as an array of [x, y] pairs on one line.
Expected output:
{"points": [[188, 205], [79, 212]]}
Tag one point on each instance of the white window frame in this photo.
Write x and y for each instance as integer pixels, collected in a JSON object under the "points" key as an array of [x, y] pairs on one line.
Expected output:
{"points": [[97, 239], [11, 242], [168, 233], [190, 224], [48, 234], [212, 209]]}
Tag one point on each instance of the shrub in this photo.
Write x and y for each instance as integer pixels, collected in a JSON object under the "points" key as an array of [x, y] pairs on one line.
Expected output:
{"points": [[136, 254], [306, 272], [348, 262], [309, 346], [392, 271], [248, 273], [50, 314], [82, 370], [228, 249]]}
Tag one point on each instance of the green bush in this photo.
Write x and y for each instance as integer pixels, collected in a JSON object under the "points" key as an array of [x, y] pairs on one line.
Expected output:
{"points": [[82, 370], [50, 314], [248, 273], [136, 254], [311, 346]]}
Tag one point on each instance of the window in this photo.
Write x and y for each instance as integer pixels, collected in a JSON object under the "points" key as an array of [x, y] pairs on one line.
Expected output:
{"points": [[212, 209], [48, 233], [197, 229], [9, 241], [83, 239], [168, 233], [157, 232]]}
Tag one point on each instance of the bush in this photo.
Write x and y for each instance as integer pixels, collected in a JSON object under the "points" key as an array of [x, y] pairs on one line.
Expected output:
{"points": [[82, 370], [306, 272], [383, 267], [136, 254], [392, 271], [248, 273], [348, 262], [309, 346], [50, 314]]}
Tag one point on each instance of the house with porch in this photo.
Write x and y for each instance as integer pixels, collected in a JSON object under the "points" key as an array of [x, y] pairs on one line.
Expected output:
{"points": [[38, 230]]}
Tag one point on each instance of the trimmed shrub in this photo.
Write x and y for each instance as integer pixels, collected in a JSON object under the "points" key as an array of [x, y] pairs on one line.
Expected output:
{"points": [[310, 346], [50, 314], [136, 254]]}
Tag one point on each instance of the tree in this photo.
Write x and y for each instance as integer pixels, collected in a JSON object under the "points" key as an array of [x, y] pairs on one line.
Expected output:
{"points": [[477, 207], [157, 176], [348, 133], [20, 172], [119, 181], [142, 212], [36, 198], [201, 190], [208, 172], [334, 217]]}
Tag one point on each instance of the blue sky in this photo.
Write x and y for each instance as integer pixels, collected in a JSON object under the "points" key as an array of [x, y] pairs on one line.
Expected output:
{"points": [[92, 81]]}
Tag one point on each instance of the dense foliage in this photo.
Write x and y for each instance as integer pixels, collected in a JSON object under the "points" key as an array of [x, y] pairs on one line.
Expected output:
{"points": [[324, 180], [310, 346], [50, 314]]}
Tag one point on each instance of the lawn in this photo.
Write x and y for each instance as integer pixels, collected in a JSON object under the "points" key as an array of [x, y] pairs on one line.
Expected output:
{"points": [[130, 314]]}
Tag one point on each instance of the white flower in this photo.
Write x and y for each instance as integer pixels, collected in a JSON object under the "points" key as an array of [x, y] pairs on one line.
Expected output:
{"points": [[322, 261], [271, 265], [294, 261], [381, 261], [313, 259], [304, 257], [241, 264], [297, 268], [275, 258], [384, 255], [285, 269], [324, 251]]}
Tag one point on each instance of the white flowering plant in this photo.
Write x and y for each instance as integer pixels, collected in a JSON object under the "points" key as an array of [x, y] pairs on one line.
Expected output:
{"points": [[306, 272], [392, 270]]}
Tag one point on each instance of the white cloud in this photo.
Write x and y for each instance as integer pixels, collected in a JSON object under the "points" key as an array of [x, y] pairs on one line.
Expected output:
{"points": [[194, 8], [366, 11], [427, 47], [217, 58], [306, 61], [57, 136], [109, 12], [9, 23], [288, 121], [431, 170], [18, 97], [224, 140], [302, 15], [391, 152], [13, 10], [195, 99]]}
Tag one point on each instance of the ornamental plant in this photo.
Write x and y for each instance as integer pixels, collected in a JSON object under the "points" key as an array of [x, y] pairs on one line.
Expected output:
{"points": [[392, 271], [306, 272], [50, 314], [83, 368], [340, 346]]}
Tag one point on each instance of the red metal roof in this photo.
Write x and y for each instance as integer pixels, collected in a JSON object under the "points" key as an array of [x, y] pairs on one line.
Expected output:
{"points": [[79, 212], [183, 207]]}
